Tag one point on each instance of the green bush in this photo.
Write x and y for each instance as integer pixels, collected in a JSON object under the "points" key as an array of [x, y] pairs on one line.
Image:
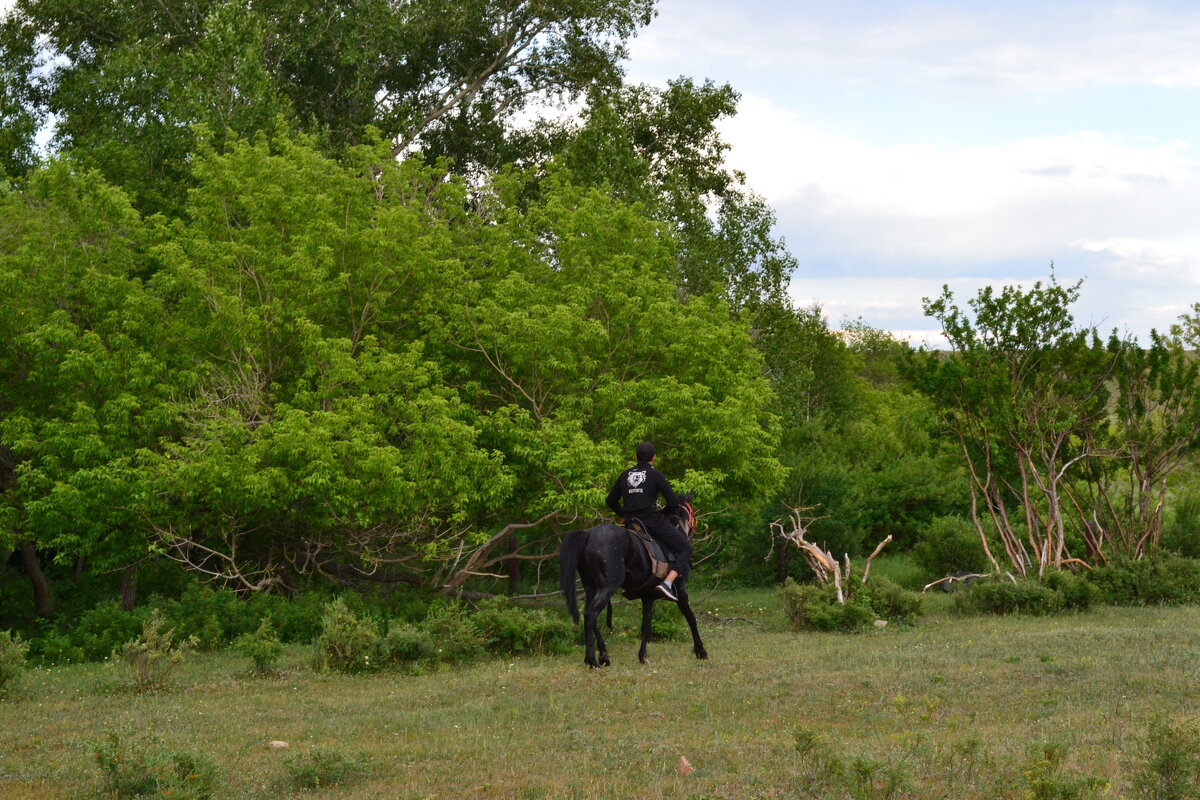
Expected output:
{"points": [[948, 545], [1166, 764], [456, 637], [153, 656], [888, 600], [324, 767], [1159, 580], [1078, 593], [102, 630], [298, 619], [262, 647], [349, 642], [1181, 535], [13, 650], [405, 644], [511, 629], [142, 767], [1006, 596], [213, 617], [814, 606]]}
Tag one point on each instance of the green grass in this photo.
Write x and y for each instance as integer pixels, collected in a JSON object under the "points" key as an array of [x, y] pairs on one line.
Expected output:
{"points": [[951, 707]]}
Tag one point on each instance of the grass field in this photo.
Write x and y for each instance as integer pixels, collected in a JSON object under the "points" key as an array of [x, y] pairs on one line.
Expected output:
{"points": [[952, 707]]}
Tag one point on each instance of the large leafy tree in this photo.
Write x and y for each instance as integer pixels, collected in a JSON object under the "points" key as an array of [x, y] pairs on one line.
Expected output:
{"points": [[86, 379], [1023, 391], [128, 83], [391, 386]]}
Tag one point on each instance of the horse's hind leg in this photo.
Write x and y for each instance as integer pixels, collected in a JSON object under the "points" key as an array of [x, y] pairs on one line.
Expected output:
{"points": [[647, 627], [603, 598], [591, 630], [685, 608]]}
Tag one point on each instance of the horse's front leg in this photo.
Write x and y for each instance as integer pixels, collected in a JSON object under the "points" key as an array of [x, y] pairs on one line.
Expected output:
{"points": [[686, 609], [593, 639], [647, 627]]}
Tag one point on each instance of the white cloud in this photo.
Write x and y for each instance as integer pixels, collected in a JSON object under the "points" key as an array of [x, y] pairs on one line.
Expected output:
{"points": [[1037, 197], [1049, 47]]}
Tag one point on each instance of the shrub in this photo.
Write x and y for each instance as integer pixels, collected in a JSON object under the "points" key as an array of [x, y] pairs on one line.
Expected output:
{"points": [[152, 657], [1077, 592], [1182, 532], [888, 600], [406, 644], [814, 606], [13, 650], [348, 642], [1048, 778], [299, 619], [102, 630], [262, 647], [213, 617], [456, 637], [510, 629], [323, 767], [1006, 596], [1160, 580], [1166, 766], [949, 545], [143, 767]]}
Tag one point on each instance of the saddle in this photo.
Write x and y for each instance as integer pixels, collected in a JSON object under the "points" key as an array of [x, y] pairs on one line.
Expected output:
{"points": [[660, 557]]}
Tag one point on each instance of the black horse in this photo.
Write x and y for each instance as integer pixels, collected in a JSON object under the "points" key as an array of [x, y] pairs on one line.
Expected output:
{"points": [[608, 558]]}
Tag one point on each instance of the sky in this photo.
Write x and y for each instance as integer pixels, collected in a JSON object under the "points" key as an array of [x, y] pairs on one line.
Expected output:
{"points": [[905, 146]]}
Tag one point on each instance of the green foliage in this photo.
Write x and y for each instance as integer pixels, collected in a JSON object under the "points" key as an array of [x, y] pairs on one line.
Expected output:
{"points": [[261, 646], [406, 644], [1160, 580], [1181, 533], [152, 657], [1077, 592], [13, 650], [814, 606], [1004, 595], [456, 636], [104, 628], [888, 600], [348, 642], [1166, 764], [322, 767], [1048, 778], [948, 545], [212, 616], [141, 766], [510, 629]]}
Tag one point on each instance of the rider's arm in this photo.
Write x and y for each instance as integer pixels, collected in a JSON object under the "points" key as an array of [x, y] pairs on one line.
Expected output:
{"points": [[614, 497], [668, 494]]}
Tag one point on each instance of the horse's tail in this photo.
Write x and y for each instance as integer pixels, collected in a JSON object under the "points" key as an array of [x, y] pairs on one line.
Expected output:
{"points": [[569, 555]]}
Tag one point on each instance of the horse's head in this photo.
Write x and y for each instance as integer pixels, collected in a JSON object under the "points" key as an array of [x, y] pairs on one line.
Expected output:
{"points": [[684, 516]]}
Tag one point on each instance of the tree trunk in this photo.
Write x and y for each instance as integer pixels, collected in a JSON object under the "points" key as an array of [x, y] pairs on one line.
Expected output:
{"points": [[129, 587], [514, 566], [41, 589]]}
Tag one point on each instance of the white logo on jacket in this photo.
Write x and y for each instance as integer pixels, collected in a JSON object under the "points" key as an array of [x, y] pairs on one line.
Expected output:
{"points": [[635, 479]]}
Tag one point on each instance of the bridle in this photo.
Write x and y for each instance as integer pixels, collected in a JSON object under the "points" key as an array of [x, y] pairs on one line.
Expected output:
{"points": [[689, 518]]}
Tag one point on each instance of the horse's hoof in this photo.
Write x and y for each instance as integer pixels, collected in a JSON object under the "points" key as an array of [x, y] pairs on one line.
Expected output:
{"points": [[604, 662], [701, 654], [645, 661]]}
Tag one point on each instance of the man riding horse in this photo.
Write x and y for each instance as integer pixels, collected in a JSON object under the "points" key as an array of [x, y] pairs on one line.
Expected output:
{"points": [[635, 496]]}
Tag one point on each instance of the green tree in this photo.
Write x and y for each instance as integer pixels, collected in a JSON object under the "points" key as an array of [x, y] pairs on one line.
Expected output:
{"points": [[128, 84], [1022, 391], [86, 381]]}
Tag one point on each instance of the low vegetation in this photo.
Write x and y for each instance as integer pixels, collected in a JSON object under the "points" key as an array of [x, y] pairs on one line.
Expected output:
{"points": [[1083, 704]]}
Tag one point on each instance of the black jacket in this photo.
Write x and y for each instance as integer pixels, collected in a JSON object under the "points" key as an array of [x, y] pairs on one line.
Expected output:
{"points": [[636, 493]]}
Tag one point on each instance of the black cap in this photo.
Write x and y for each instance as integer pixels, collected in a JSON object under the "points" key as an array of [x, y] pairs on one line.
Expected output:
{"points": [[645, 451]]}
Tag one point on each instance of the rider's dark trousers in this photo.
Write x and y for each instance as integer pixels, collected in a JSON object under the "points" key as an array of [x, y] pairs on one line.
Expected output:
{"points": [[674, 540]]}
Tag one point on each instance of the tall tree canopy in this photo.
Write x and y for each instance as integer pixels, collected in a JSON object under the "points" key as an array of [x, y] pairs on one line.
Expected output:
{"points": [[127, 84]]}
